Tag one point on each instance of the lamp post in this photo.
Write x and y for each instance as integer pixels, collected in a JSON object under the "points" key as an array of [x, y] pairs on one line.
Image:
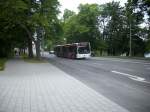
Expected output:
{"points": [[130, 41], [43, 33]]}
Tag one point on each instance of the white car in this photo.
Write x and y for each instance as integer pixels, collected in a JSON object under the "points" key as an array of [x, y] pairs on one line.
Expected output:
{"points": [[147, 55], [51, 52]]}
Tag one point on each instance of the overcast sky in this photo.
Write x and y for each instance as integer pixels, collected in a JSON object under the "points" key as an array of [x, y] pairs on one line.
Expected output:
{"points": [[73, 4]]}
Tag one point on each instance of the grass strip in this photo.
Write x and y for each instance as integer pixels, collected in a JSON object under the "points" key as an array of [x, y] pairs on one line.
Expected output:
{"points": [[2, 63], [32, 60]]}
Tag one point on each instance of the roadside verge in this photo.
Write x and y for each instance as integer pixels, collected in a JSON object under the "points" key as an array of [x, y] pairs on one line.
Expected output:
{"points": [[2, 63]]}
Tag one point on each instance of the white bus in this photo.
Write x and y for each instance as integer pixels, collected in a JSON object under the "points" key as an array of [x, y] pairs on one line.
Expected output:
{"points": [[74, 50]]}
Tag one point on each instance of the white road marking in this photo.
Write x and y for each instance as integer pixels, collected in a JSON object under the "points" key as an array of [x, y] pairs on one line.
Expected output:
{"points": [[133, 77]]}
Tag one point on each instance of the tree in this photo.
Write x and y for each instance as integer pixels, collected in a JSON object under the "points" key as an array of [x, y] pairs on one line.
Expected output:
{"points": [[114, 28], [67, 14], [136, 17], [144, 5], [30, 15], [9, 23], [84, 26]]}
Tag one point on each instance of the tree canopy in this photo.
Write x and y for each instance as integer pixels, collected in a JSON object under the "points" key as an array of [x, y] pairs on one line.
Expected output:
{"points": [[108, 27], [21, 19]]}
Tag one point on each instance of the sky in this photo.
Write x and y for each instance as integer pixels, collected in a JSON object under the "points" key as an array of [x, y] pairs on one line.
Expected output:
{"points": [[73, 4]]}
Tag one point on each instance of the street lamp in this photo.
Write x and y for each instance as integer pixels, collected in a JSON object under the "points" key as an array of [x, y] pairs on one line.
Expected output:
{"points": [[130, 42], [43, 33]]}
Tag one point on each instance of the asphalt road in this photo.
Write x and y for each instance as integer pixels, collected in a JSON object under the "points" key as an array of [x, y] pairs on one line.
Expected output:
{"points": [[124, 81]]}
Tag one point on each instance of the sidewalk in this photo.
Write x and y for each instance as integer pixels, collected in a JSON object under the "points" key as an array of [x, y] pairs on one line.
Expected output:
{"points": [[29, 87]]}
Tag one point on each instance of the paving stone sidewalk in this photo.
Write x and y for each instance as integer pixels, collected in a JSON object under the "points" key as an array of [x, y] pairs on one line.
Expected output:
{"points": [[30, 87]]}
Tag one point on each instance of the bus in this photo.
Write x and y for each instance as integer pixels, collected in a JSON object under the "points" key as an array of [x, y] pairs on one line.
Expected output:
{"points": [[73, 51]]}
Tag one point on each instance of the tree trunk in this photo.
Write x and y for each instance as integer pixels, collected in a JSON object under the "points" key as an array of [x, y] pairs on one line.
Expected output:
{"points": [[23, 51], [30, 50], [30, 39], [37, 45]]}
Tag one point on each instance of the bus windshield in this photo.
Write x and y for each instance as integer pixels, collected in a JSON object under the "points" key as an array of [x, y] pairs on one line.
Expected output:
{"points": [[83, 50]]}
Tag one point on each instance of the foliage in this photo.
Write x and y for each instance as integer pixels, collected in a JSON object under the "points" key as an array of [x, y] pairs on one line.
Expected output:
{"points": [[107, 27], [20, 19], [84, 26], [67, 14], [148, 46]]}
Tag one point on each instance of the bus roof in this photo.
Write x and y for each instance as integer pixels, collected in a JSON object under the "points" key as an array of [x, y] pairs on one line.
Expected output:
{"points": [[81, 43]]}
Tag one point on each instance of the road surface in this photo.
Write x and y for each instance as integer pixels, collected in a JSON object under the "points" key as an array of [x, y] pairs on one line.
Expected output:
{"points": [[124, 81]]}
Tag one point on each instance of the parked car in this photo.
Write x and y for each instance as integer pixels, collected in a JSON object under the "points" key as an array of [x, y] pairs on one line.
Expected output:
{"points": [[147, 55], [51, 52]]}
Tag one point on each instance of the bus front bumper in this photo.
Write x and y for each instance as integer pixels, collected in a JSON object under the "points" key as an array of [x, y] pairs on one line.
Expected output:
{"points": [[83, 55]]}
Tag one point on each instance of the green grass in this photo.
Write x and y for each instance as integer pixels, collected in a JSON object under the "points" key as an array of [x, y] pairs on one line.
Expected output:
{"points": [[32, 60], [2, 63], [24, 56]]}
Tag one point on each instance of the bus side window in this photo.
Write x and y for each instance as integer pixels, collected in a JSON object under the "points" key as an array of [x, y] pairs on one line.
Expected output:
{"points": [[71, 49]]}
